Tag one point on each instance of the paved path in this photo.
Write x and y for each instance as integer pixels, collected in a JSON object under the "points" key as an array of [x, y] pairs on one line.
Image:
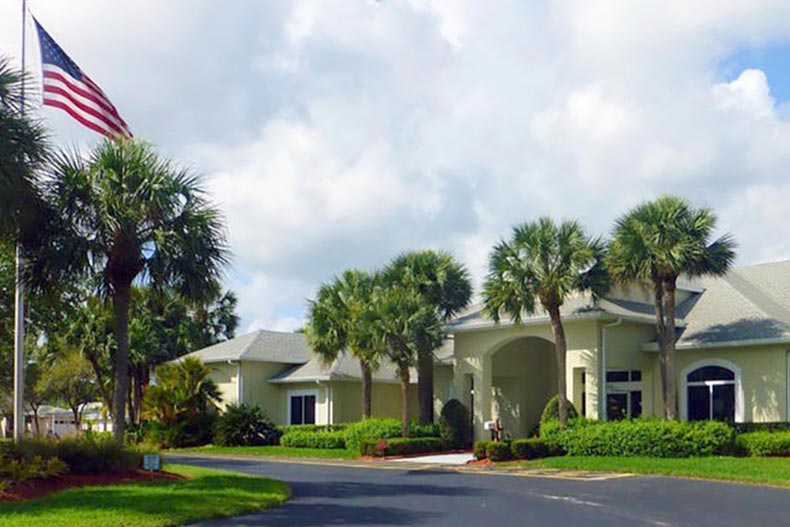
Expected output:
{"points": [[398, 495], [441, 459]]}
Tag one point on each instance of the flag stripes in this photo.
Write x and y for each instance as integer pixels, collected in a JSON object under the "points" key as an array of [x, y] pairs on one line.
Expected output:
{"points": [[67, 88]]}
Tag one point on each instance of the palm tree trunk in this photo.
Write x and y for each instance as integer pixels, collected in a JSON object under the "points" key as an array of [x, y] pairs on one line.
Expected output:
{"points": [[425, 386], [671, 398], [367, 390], [104, 392], [661, 337], [404, 398], [560, 348], [121, 321]]}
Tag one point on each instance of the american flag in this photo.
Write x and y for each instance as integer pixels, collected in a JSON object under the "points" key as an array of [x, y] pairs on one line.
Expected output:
{"points": [[68, 88]]}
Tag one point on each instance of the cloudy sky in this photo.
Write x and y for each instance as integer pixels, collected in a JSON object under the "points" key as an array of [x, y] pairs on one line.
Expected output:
{"points": [[337, 133]]}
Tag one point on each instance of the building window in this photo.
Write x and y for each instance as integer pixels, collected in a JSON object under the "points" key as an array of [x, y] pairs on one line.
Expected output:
{"points": [[302, 410], [710, 394], [623, 394]]}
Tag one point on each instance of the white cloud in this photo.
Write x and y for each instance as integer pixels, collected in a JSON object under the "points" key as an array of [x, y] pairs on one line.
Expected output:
{"points": [[337, 133], [749, 93]]}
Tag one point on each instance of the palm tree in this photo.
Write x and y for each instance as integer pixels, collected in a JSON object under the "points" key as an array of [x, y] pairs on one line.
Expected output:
{"points": [[126, 215], [183, 390], [444, 284], [23, 152], [544, 263], [657, 242], [335, 325], [400, 324]]}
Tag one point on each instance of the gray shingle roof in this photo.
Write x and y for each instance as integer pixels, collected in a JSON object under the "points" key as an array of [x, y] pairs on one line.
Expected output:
{"points": [[346, 368], [750, 303], [577, 306], [261, 346]]}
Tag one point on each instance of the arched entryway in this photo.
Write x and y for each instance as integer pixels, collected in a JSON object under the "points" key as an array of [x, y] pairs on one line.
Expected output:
{"points": [[523, 379]]}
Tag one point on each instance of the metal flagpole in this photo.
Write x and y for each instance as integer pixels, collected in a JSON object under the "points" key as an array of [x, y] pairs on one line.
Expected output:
{"points": [[19, 297]]}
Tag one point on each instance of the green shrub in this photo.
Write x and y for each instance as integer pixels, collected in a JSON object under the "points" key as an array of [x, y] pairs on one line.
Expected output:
{"points": [[640, 437], [197, 430], [499, 451], [455, 426], [82, 455], [401, 446], [533, 448], [763, 444], [429, 430], [286, 429], [371, 430], [481, 449], [19, 470], [375, 428], [245, 425], [746, 428], [551, 412], [306, 439]]}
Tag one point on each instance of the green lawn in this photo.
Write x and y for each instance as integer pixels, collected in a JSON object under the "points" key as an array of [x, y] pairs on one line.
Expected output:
{"points": [[205, 494], [767, 471], [325, 453]]}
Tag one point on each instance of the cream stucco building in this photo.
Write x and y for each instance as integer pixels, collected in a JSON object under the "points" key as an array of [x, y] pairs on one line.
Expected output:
{"points": [[733, 361], [278, 372], [733, 355]]}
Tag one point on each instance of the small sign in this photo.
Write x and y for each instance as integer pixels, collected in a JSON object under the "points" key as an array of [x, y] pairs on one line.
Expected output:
{"points": [[152, 462]]}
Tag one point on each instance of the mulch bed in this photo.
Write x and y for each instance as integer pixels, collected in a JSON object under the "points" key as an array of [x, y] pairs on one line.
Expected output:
{"points": [[42, 487]]}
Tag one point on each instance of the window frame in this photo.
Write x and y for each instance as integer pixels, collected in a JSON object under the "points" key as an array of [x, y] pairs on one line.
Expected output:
{"points": [[721, 363], [303, 394], [624, 388]]}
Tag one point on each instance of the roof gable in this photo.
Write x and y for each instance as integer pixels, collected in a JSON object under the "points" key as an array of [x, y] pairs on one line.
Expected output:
{"points": [[260, 346]]}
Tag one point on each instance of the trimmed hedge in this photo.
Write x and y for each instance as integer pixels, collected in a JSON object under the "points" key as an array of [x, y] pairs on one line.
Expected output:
{"points": [[499, 451], [533, 448], [640, 437], [287, 429], [307, 439], [371, 430], [763, 444], [746, 428], [402, 446], [551, 412], [480, 449]]}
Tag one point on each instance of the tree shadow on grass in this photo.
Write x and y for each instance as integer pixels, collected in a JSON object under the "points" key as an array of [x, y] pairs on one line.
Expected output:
{"points": [[181, 500]]}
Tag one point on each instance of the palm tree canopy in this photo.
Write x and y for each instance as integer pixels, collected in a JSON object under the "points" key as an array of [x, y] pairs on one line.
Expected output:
{"points": [[336, 315], [442, 281], [543, 262], [23, 152], [126, 214], [666, 238], [400, 324]]}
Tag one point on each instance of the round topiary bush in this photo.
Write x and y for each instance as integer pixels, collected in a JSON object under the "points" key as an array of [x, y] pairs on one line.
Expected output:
{"points": [[455, 427], [551, 412], [245, 425]]}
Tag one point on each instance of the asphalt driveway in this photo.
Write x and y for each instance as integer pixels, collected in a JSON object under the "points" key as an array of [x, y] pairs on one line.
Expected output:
{"points": [[341, 495]]}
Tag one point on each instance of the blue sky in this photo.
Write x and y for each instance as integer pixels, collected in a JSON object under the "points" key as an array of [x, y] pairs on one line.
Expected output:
{"points": [[336, 134], [772, 59]]}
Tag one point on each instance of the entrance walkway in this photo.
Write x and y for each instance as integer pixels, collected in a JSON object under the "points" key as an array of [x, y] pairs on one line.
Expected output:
{"points": [[439, 459]]}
